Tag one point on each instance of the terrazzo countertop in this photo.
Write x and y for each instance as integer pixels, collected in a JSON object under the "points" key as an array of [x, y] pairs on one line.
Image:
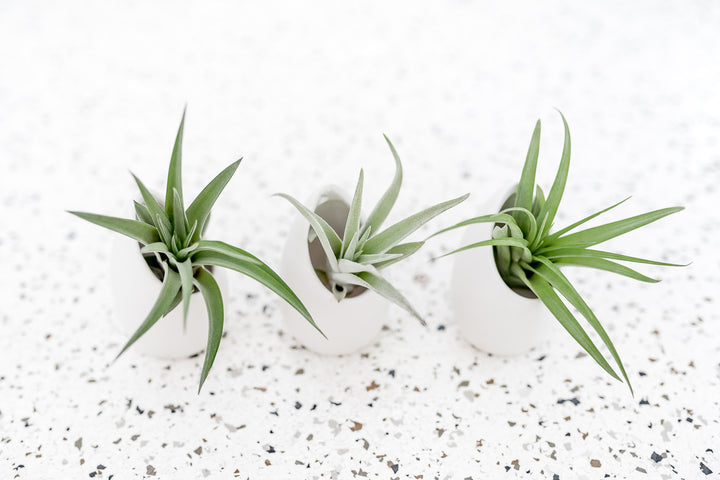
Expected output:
{"points": [[303, 91]]}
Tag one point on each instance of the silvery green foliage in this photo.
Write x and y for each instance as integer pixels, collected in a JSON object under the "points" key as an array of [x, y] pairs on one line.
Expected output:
{"points": [[173, 235], [356, 256], [527, 255]]}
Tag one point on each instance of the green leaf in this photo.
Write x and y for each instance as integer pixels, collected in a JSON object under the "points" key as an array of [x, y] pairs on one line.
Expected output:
{"points": [[547, 213], [180, 225], [213, 301], [165, 233], [143, 214], [170, 288], [530, 231], [199, 209], [387, 201], [550, 239], [352, 224], [557, 280], [134, 229], [174, 179], [191, 234], [544, 291], [603, 264], [156, 247], [557, 252], [159, 216], [524, 195], [384, 240], [508, 242], [329, 239], [348, 266], [373, 258], [223, 255], [351, 250], [363, 240], [225, 249], [602, 233], [187, 250], [539, 201], [493, 218], [400, 252], [186, 281], [383, 288]]}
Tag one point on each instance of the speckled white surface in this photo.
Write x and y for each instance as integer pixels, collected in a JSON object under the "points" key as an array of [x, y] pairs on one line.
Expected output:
{"points": [[303, 91]]}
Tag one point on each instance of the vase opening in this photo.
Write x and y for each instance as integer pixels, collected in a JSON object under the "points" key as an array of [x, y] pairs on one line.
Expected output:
{"points": [[522, 291], [334, 211]]}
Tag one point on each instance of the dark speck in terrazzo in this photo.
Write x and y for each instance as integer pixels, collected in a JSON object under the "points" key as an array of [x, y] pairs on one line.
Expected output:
{"points": [[704, 469], [655, 457], [573, 400], [298, 405], [441, 327], [556, 477], [644, 401]]}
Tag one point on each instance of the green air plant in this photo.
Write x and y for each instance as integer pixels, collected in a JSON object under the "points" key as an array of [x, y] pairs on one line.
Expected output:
{"points": [[356, 256], [171, 236], [528, 255]]}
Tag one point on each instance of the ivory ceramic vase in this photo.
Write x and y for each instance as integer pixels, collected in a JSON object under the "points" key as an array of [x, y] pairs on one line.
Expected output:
{"points": [[348, 324], [136, 288], [490, 315]]}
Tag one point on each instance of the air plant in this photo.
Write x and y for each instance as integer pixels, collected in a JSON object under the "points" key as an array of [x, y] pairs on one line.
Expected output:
{"points": [[172, 237], [528, 256], [356, 256]]}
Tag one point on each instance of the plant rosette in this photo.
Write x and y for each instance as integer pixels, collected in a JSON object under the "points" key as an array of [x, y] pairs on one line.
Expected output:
{"points": [[334, 260], [349, 324], [527, 257], [168, 259]]}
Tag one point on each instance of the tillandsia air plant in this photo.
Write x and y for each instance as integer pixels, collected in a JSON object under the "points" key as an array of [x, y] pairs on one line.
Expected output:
{"points": [[356, 256], [172, 236], [528, 255]]}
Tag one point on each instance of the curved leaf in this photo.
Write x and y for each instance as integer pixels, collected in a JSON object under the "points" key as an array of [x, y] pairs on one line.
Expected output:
{"points": [[213, 301], [603, 264], [386, 239], [526, 186], [174, 179], [142, 232], [557, 280], [329, 239], [547, 213], [352, 223], [227, 256], [199, 209], [544, 291], [170, 288], [387, 201], [602, 233]]}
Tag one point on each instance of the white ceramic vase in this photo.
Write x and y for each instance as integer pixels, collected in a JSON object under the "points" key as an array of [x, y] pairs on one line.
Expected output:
{"points": [[490, 315], [135, 288], [349, 324]]}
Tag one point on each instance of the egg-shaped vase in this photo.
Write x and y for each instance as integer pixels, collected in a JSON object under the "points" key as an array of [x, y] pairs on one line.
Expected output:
{"points": [[135, 290], [490, 315], [349, 324]]}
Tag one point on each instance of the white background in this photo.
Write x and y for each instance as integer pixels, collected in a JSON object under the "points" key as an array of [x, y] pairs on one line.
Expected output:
{"points": [[303, 91]]}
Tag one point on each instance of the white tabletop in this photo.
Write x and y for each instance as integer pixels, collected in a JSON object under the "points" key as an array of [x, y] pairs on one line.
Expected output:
{"points": [[303, 91]]}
